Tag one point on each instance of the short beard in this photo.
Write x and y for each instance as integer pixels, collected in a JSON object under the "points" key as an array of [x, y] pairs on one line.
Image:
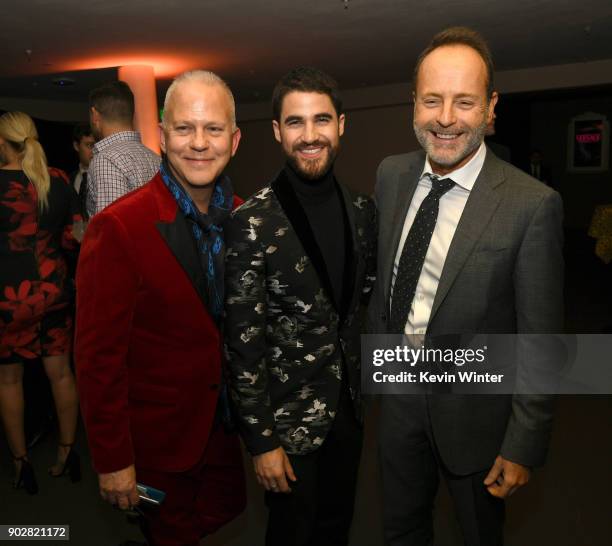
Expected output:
{"points": [[313, 173], [475, 138]]}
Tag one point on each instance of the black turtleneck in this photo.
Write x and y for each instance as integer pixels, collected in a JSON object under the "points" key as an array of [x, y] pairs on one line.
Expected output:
{"points": [[324, 207]]}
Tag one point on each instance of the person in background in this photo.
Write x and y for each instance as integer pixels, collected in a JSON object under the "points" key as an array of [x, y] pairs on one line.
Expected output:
{"points": [[83, 143], [38, 255], [121, 162], [538, 168]]}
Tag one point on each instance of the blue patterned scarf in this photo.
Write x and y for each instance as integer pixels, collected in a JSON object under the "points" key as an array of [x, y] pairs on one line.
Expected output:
{"points": [[208, 232]]}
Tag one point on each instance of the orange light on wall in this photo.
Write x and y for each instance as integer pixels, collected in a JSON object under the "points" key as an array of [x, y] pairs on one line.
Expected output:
{"points": [[164, 65], [141, 80]]}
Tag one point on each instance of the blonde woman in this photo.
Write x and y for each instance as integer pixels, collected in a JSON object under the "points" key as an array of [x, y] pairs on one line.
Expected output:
{"points": [[38, 253]]}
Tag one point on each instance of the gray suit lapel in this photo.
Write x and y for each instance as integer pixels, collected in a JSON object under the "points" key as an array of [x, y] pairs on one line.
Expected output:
{"points": [[480, 206], [406, 186]]}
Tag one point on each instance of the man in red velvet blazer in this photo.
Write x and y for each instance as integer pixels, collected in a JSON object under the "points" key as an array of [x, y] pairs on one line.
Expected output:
{"points": [[148, 348]]}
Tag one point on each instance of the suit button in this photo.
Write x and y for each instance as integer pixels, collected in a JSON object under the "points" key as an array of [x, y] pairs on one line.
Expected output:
{"points": [[383, 317], [214, 387]]}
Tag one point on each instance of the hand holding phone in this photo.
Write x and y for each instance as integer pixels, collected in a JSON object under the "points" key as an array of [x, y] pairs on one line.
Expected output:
{"points": [[149, 494]]}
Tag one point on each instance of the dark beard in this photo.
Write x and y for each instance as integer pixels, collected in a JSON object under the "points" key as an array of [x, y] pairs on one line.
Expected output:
{"points": [[316, 172]]}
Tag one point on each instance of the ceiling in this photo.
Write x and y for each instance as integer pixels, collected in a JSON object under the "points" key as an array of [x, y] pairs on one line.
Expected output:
{"points": [[252, 42]]}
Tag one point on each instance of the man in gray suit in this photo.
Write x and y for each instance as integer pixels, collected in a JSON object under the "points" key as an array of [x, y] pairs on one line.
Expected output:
{"points": [[467, 244]]}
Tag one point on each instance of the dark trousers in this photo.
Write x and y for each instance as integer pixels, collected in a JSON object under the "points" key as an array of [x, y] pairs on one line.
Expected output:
{"points": [[319, 509], [198, 501], [411, 467]]}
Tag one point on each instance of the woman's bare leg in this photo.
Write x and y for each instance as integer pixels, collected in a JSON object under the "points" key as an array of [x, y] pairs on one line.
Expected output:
{"points": [[64, 391], [11, 409]]}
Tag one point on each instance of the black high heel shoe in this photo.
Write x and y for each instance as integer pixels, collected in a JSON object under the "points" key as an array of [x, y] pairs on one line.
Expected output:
{"points": [[26, 477], [71, 466]]}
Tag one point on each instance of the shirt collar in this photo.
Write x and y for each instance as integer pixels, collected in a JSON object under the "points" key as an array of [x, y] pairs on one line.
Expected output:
{"points": [[121, 136], [465, 176]]}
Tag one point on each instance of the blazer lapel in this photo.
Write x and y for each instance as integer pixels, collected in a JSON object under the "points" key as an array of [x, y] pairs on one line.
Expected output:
{"points": [[175, 231], [480, 206], [353, 256], [298, 220], [406, 186]]}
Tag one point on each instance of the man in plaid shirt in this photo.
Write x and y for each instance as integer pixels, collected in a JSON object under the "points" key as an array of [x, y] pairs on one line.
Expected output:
{"points": [[121, 163]]}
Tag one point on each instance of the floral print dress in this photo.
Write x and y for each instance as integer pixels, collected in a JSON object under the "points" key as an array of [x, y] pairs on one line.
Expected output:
{"points": [[38, 254]]}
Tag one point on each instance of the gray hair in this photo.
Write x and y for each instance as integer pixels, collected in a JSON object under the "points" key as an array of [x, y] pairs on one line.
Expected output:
{"points": [[203, 76]]}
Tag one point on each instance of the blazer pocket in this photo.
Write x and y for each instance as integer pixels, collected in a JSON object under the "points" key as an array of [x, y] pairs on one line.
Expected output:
{"points": [[490, 249], [489, 257], [157, 394]]}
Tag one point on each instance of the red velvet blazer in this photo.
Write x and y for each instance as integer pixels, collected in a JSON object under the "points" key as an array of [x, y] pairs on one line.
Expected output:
{"points": [[148, 354]]}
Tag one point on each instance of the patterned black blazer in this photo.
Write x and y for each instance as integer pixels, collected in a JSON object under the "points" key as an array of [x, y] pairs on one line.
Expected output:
{"points": [[287, 344]]}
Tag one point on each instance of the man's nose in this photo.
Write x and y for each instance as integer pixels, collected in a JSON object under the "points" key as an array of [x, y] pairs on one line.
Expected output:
{"points": [[310, 132], [446, 114], [200, 139]]}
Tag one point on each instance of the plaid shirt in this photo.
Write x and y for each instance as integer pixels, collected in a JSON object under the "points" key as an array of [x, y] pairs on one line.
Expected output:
{"points": [[120, 164]]}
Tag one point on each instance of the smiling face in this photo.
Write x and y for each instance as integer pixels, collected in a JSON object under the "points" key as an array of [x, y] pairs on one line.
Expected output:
{"points": [[451, 110], [309, 132], [198, 136]]}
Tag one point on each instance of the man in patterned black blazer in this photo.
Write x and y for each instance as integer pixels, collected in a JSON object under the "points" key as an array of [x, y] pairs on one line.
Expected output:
{"points": [[300, 261]]}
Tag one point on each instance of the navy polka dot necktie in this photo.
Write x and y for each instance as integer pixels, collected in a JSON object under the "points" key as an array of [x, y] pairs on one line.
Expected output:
{"points": [[414, 252]]}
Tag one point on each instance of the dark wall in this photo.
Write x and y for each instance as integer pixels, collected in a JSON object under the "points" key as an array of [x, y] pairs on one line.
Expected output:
{"points": [[540, 121], [581, 192], [56, 139]]}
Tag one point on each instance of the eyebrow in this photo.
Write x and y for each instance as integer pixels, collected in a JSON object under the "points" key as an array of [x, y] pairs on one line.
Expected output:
{"points": [[467, 96], [321, 115], [458, 96], [192, 124], [293, 118]]}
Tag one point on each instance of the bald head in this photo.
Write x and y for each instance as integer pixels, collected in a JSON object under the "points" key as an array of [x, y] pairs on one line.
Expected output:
{"points": [[190, 82]]}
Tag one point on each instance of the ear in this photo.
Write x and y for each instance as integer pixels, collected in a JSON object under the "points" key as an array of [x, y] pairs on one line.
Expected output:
{"points": [[276, 129], [162, 138], [492, 103], [414, 104], [341, 121], [75, 146], [236, 140]]}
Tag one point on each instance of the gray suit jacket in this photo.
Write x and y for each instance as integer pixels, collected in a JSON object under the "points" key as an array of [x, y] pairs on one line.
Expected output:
{"points": [[503, 274]]}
